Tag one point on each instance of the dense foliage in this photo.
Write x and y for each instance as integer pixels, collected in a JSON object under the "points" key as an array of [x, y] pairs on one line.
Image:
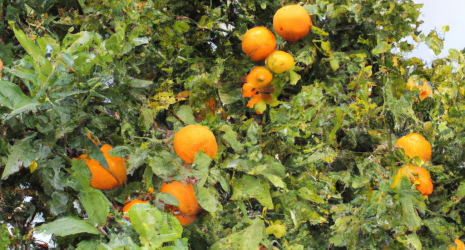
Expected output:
{"points": [[314, 171]]}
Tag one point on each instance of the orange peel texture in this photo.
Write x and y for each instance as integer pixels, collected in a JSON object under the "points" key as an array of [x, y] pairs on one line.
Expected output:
{"points": [[101, 178], [191, 139], [128, 206], [259, 77], [258, 43], [185, 195], [417, 175], [186, 219], [415, 145], [280, 61], [292, 22]]}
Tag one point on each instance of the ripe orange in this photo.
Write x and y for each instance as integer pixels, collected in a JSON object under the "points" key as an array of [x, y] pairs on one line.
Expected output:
{"points": [[417, 175], [292, 22], [258, 43], [415, 145], [185, 195], [191, 139], [101, 178], [259, 77], [186, 219], [132, 203], [279, 61], [460, 245]]}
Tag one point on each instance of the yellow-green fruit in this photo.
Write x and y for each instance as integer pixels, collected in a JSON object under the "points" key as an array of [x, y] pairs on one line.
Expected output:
{"points": [[279, 62]]}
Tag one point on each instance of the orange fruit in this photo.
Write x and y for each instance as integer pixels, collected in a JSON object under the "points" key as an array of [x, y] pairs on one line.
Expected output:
{"points": [[101, 178], [417, 175], [132, 203], [191, 139], [279, 61], [259, 77], [186, 219], [425, 90], [185, 195], [415, 145], [292, 22], [258, 43], [460, 245]]}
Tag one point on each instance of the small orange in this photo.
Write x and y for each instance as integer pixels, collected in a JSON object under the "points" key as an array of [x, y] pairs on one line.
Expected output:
{"points": [[415, 145], [292, 22], [132, 203], [417, 175], [186, 219], [258, 43], [185, 195], [191, 139], [259, 77], [425, 90], [101, 178], [150, 190], [279, 61]]}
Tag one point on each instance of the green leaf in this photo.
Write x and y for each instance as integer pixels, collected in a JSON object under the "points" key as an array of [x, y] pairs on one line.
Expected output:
{"points": [[277, 230], [413, 240], [249, 187], [78, 42], [434, 43], [181, 26], [96, 205], [12, 97], [307, 194], [318, 31], [294, 77], [246, 239], [230, 97], [410, 217], [186, 114], [21, 155], [42, 65], [206, 199], [67, 226], [139, 83], [381, 47], [231, 137], [153, 226]]}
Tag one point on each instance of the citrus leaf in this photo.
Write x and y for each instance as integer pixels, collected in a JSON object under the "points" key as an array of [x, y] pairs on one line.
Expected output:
{"points": [[246, 239], [67, 226], [95, 204], [248, 187], [153, 226], [206, 199]]}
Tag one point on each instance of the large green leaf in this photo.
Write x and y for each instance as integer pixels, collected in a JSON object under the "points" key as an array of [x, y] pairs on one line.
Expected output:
{"points": [[246, 239], [67, 226]]}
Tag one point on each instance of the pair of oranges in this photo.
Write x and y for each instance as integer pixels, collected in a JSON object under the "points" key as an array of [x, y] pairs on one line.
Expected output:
{"points": [[415, 145], [291, 22], [188, 208]]}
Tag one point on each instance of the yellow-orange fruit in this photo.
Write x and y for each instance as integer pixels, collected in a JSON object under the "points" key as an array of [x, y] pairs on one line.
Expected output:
{"points": [[415, 145], [279, 62], [292, 22], [460, 245], [191, 139], [259, 77], [132, 203], [258, 43], [425, 90], [185, 195], [101, 178], [417, 175], [186, 219]]}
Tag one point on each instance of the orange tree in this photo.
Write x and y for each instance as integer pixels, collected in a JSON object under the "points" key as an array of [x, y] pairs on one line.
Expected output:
{"points": [[312, 167]]}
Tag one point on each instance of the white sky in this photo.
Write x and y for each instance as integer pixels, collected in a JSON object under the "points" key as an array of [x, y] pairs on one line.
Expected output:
{"points": [[438, 13]]}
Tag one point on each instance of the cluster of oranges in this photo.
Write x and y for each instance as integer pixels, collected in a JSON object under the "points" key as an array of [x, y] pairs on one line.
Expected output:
{"points": [[187, 142], [415, 145], [292, 23]]}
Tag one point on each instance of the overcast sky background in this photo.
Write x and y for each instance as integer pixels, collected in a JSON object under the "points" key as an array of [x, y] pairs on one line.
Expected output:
{"points": [[438, 13]]}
